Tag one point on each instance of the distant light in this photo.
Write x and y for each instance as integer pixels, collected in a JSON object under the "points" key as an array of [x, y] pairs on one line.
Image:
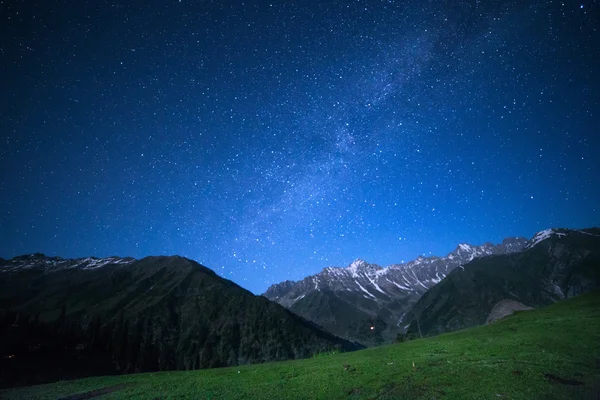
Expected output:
{"points": [[372, 328], [581, 6]]}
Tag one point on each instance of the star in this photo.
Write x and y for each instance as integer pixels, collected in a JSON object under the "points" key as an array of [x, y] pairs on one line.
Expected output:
{"points": [[271, 140]]}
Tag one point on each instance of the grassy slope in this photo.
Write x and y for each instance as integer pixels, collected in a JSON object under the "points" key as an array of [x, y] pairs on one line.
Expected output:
{"points": [[509, 359]]}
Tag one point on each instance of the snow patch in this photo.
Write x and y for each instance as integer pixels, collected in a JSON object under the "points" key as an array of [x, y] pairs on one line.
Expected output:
{"points": [[58, 264], [364, 290], [298, 298], [400, 286], [539, 237], [400, 319], [375, 285], [558, 290], [418, 281], [93, 263], [585, 233]]}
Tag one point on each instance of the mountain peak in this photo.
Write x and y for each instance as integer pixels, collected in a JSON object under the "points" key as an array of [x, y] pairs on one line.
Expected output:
{"points": [[543, 235], [356, 266], [466, 250], [360, 265], [464, 247], [359, 262]]}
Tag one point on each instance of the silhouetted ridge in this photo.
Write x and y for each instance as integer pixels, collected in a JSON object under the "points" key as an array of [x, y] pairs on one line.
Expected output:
{"points": [[71, 318]]}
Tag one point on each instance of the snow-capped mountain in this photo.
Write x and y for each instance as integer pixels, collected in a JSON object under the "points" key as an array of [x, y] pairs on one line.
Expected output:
{"points": [[370, 295], [555, 232], [556, 264], [53, 264], [371, 281]]}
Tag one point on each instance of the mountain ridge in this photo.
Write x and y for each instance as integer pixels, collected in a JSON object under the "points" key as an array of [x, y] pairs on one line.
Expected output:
{"points": [[67, 318], [376, 297], [556, 264]]}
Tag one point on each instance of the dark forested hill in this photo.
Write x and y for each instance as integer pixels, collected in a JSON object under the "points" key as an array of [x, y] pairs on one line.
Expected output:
{"points": [[556, 264], [63, 319]]}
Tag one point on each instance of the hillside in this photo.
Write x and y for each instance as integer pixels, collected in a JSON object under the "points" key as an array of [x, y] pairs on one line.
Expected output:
{"points": [[556, 264], [550, 353], [63, 319]]}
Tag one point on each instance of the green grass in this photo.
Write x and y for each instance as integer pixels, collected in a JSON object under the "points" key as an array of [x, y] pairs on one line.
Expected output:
{"points": [[551, 353]]}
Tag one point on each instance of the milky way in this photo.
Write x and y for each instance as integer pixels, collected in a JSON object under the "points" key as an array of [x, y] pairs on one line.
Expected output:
{"points": [[269, 140]]}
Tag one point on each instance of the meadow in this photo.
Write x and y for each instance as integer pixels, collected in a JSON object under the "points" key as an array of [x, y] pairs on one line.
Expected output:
{"points": [[549, 353]]}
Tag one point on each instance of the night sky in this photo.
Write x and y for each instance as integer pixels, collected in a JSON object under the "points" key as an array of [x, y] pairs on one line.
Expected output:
{"points": [[268, 140]]}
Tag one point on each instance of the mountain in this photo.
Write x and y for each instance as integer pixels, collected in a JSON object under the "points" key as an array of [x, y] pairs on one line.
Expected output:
{"points": [[62, 319], [556, 264], [365, 302]]}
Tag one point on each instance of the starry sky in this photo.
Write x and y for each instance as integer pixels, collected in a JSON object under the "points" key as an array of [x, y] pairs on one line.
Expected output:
{"points": [[270, 139]]}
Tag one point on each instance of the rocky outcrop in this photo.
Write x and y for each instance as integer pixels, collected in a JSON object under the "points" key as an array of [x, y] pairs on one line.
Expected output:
{"points": [[504, 308]]}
